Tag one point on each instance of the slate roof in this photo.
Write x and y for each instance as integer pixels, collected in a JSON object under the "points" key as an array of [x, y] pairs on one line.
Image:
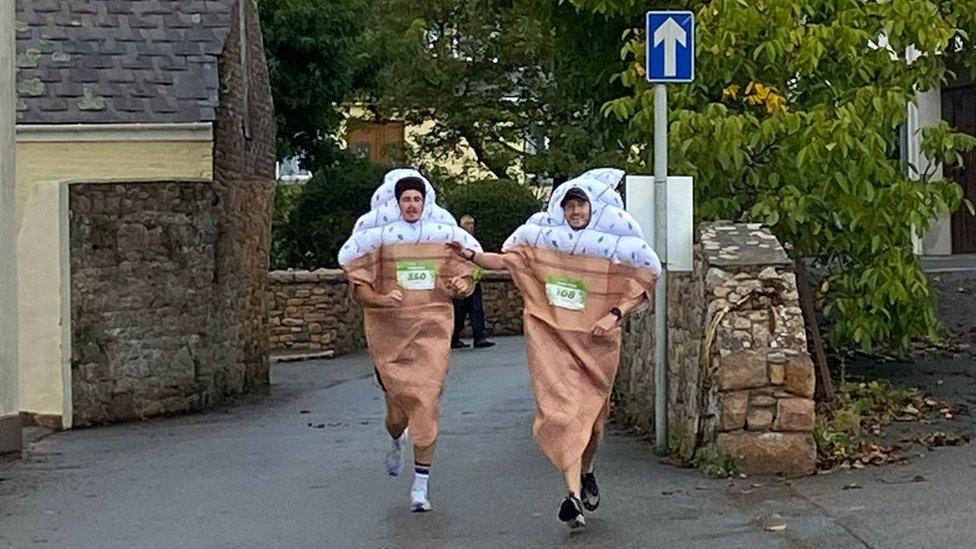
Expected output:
{"points": [[119, 61]]}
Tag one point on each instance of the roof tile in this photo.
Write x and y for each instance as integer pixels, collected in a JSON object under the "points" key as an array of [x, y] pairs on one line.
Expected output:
{"points": [[113, 61]]}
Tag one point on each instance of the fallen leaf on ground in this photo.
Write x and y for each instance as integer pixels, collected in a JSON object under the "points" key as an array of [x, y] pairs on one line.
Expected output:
{"points": [[940, 439]]}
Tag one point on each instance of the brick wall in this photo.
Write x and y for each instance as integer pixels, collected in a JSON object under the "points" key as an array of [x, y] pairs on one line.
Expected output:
{"points": [[313, 311]]}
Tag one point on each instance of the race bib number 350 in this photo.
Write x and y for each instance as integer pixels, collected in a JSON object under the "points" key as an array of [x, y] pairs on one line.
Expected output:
{"points": [[416, 275], [565, 292]]}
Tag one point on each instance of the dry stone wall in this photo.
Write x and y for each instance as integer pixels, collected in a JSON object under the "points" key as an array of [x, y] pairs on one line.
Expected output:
{"points": [[313, 312], [739, 375]]}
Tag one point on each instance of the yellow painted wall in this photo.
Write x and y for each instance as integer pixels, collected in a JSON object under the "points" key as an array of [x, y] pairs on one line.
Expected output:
{"points": [[44, 172]]}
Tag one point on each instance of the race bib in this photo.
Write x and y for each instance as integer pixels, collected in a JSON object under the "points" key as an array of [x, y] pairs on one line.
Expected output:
{"points": [[566, 293], [416, 275]]}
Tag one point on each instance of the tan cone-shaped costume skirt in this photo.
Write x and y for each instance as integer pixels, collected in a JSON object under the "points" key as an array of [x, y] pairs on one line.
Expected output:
{"points": [[411, 344], [572, 370]]}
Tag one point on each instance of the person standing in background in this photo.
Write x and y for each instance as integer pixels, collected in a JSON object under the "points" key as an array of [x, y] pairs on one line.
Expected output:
{"points": [[472, 306]]}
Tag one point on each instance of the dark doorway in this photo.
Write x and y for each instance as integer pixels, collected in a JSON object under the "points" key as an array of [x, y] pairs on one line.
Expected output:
{"points": [[959, 110]]}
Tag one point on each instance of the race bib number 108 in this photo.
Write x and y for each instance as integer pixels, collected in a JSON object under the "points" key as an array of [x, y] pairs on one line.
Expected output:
{"points": [[566, 293], [416, 275]]}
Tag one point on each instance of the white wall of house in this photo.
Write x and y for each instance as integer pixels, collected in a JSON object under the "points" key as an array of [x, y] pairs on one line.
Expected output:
{"points": [[937, 240], [9, 384]]}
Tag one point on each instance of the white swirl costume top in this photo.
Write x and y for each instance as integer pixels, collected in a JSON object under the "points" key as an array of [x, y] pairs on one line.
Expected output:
{"points": [[612, 234], [383, 225]]}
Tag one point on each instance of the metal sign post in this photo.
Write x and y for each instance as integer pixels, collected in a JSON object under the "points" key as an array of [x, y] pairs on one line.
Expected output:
{"points": [[670, 58]]}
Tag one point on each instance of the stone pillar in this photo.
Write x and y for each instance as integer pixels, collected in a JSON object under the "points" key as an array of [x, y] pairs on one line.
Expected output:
{"points": [[739, 376], [10, 439], [758, 390]]}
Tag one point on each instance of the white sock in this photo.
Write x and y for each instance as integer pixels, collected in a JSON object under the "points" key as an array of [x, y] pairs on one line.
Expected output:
{"points": [[420, 482]]}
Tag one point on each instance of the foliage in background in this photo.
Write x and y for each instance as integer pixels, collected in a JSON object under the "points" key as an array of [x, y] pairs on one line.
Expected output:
{"points": [[316, 60], [498, 207], [325, 212], [285, 199], [794, 120], [491, 75]]}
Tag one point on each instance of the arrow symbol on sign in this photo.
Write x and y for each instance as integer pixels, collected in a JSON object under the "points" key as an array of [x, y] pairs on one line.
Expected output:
{"points": [[671, 34]]}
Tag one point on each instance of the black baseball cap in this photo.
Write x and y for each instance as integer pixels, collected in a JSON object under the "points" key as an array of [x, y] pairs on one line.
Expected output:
{"points": [[575, 193]]}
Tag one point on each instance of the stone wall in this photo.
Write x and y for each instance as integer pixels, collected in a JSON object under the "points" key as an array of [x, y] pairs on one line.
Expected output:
{"points": [[735, 328], [503, 305], [244, 178], [313, 311], [142, 263]]}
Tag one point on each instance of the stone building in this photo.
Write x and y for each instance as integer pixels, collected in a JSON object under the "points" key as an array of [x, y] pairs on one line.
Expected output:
{"points": [[145, 138]]}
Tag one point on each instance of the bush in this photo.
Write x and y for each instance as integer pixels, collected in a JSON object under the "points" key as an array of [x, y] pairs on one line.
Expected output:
{"points": [[325, 213], [498, 207], [285, 199]]}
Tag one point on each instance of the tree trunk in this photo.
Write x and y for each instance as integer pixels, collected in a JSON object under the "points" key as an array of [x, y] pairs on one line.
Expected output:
{"points": [[499, 169], [825, 385]]}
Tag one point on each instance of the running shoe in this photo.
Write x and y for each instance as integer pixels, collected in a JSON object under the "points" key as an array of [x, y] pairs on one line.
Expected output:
{"points": [[419, 502], [571, 512], [394, 456], [591, 493]]}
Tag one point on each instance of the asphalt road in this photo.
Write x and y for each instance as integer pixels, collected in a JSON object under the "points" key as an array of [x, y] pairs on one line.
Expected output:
{"points": [[257, 475]]}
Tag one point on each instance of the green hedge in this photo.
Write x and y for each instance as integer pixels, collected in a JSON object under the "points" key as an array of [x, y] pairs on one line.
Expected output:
{"points": [[324, 214], [310, 227], [498, 206]]}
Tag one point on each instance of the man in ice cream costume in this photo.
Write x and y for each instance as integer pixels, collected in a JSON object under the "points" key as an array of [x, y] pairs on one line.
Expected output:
{"points": [[405, 278], [582, 266]]}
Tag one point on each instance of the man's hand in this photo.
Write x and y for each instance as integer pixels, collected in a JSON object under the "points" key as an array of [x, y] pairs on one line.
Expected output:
{"points": [[459, 286], [605, 325], [393, 299], [457, 248]]}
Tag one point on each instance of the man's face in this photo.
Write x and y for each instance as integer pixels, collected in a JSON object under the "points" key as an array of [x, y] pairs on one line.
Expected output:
{"points": [[411, 205], [468, 224], [577, 213]]}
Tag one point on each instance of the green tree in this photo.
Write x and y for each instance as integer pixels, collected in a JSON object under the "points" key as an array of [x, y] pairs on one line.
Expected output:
{"points": [[498, 207], [316, 60], [325, 212], [495, 75], [793, 121]]}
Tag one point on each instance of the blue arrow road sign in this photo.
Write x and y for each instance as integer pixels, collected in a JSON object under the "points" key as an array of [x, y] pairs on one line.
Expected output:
{"points": [[670, 46]]}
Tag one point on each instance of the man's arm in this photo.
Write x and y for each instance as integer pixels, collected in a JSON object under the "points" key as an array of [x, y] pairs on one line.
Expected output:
{"points": [[493, 262], [606, 324]]}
